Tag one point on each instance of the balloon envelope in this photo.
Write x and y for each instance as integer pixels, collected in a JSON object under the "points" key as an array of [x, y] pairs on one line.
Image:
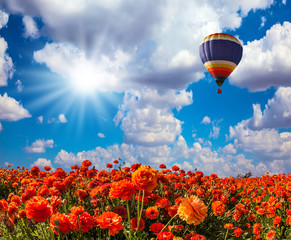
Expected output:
{"points": [[220, 54]]}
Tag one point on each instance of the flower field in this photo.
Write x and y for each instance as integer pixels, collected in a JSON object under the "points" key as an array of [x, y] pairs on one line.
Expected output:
{"points": [[139, 202]]}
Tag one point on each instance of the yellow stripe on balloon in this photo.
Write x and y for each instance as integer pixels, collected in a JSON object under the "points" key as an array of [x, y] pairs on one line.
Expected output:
{"points": [[221, 36], [220, 63]]}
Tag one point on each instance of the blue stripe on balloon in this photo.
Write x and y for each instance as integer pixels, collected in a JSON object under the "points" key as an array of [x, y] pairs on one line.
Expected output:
{"points": [[220, 50]]}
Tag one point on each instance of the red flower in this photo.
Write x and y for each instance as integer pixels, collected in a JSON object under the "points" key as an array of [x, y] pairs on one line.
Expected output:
{"points": [[110, 220], [277, 221], [60, 222], [121, 211], [3, 205], [165, 235], [163, 166], [38, 208], [109, 165], [82, 222], [156, 227], [175, 168], [270, 235], [238, 232], [133, 224], [198, 237]]}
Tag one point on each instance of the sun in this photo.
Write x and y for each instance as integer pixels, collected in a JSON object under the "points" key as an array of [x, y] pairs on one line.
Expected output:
{"points": [[84, 80]]}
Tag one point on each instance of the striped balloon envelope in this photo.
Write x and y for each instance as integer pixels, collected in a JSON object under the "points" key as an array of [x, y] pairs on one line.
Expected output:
{"points": [[220, 54]]}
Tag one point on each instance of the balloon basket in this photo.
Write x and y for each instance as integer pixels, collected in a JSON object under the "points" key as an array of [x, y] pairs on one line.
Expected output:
{"points": [[219, 91]]}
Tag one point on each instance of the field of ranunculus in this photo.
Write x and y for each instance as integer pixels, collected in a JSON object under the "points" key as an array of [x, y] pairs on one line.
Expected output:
{"points": [[139, 202]]}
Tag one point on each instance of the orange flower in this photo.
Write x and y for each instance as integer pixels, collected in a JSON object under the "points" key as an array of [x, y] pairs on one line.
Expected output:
{"points": [[218, 208], [133, 224], [228, 226], [270, 235], [38, 208], [152, 213], [60, 222], [123, 189], [110, 220], [192, 210], [145, 178]]}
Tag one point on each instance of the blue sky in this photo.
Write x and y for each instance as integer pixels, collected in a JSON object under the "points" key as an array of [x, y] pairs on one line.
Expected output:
{"points": [[103, 80]]}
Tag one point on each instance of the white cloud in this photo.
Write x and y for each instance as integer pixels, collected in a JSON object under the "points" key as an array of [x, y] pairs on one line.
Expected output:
{"points": [[160, 50], [6, 64], [71, 63], [266, 62], [277, 112], [62, 118], [206, 120], [101, 135], [19, 85], [215, 132], [1, 128], [3, 19], [263, 19], [41, 163], [11, 110], [147, 119], [229, 149], [284, 2], [30, 27], [266, 144], [39, 120], [39, 146]]}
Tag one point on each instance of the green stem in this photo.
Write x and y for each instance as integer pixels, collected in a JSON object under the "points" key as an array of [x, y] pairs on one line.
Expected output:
{"points": [[169, 222], [226, 234], [140, 213], [43, 231]]}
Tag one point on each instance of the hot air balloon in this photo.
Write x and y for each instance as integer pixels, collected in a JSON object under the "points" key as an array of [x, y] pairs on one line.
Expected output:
{"points": [[220, 54]]}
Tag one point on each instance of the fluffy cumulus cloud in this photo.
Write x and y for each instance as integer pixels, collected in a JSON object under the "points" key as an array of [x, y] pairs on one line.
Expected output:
{"points": [[6, 64], [39, 146], [3, 19], [11, 110], [19, 85], [101, 135], [266, 62], [62, 118], [39, 120], [30, 27], [41, 163], [265, 144], [147, 118], [206, 120], [160, 50], [224, 162], [277, 112]]}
